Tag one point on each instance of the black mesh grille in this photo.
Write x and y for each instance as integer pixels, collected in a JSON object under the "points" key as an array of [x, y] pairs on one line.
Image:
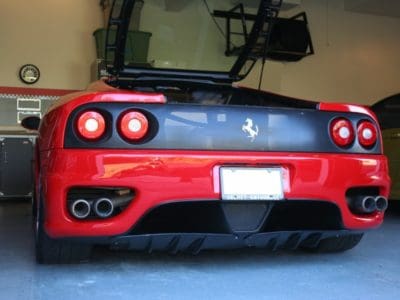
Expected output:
{"points": [[209, 217]]}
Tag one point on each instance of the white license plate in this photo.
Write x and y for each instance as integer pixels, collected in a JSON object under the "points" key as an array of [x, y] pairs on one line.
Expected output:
{"points": [[240, 183]]}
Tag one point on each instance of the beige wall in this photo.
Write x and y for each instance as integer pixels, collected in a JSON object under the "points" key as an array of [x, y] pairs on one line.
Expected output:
{"points": [[357, 57], [55, 35]]}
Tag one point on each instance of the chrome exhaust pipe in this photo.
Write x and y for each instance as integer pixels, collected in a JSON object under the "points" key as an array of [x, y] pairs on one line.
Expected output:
{"points": [[103, 207], [80, 208], [381, 203], [364, 205]]}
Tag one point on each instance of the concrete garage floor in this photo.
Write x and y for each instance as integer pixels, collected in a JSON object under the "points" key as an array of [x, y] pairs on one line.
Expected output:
{"points": [[370, 271]]}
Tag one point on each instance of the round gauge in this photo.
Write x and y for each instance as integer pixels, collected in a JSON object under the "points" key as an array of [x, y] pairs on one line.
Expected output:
{"points": [[29, 74]]}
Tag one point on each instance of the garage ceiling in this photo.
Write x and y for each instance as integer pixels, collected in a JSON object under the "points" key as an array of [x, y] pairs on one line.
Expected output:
{"points": [[389, 8]]}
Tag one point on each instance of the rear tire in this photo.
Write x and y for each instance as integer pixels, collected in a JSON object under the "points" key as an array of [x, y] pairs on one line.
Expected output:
{"points": [[337, 243], [53, 251]]}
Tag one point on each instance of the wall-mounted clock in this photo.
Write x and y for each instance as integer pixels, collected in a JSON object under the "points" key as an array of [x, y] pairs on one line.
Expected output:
{"points": [[29, 74]]}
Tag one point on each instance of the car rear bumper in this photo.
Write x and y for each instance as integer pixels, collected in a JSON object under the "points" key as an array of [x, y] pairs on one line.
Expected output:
{"points": [[161, 177]]}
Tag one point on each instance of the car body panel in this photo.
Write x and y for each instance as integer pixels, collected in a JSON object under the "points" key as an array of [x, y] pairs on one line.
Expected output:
{"points": [[160, 177]]}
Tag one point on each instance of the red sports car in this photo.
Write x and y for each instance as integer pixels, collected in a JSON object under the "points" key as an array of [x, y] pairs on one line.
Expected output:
{"points": [[167, 155]]}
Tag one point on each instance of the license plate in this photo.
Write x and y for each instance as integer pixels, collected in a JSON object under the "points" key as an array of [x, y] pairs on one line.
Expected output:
{"points": [[240, 183]]}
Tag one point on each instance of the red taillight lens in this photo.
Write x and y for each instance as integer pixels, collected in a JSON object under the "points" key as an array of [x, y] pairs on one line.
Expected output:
{"points": [[91, 125], [367, 133], [133, 125], [342, 132]]}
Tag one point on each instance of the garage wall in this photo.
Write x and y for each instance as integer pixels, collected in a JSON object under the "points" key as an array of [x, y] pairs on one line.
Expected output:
{"points": [[357, 57], [54, 35]]}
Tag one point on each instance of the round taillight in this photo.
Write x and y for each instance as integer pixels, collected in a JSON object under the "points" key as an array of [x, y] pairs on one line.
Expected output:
{"points": [[342, 132], [367, 134], [91, 125], [133, 125]]}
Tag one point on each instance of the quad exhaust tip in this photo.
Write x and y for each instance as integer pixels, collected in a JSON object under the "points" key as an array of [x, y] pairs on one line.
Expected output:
{"points": [[381, 203], [100, 203], [80, 209], [103, 207], [363, 205], [368, 204]]}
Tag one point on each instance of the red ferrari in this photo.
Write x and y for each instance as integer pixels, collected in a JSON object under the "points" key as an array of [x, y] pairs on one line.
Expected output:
{"points": [[167, 154]]}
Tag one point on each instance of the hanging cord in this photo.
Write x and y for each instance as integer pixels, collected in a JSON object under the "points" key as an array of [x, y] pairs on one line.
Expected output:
{"points": [[266, 43], [261, 73], [103, 4], [327, 24], [215, 21], [213, 18], [264, 57]]}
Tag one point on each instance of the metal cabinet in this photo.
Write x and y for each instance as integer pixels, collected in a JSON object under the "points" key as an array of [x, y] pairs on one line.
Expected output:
{"points": [[16, 157]]}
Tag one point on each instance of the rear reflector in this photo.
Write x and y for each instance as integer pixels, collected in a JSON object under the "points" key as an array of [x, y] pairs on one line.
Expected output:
{"points": [[367, 134], [342, 132], [91, 125], [133, 125]]}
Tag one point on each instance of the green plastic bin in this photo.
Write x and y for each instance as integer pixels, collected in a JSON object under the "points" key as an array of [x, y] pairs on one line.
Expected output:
{"points": [[137, 45]]}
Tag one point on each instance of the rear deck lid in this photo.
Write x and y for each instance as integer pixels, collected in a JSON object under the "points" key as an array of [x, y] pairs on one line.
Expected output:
{"points": [[186, 39]]}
